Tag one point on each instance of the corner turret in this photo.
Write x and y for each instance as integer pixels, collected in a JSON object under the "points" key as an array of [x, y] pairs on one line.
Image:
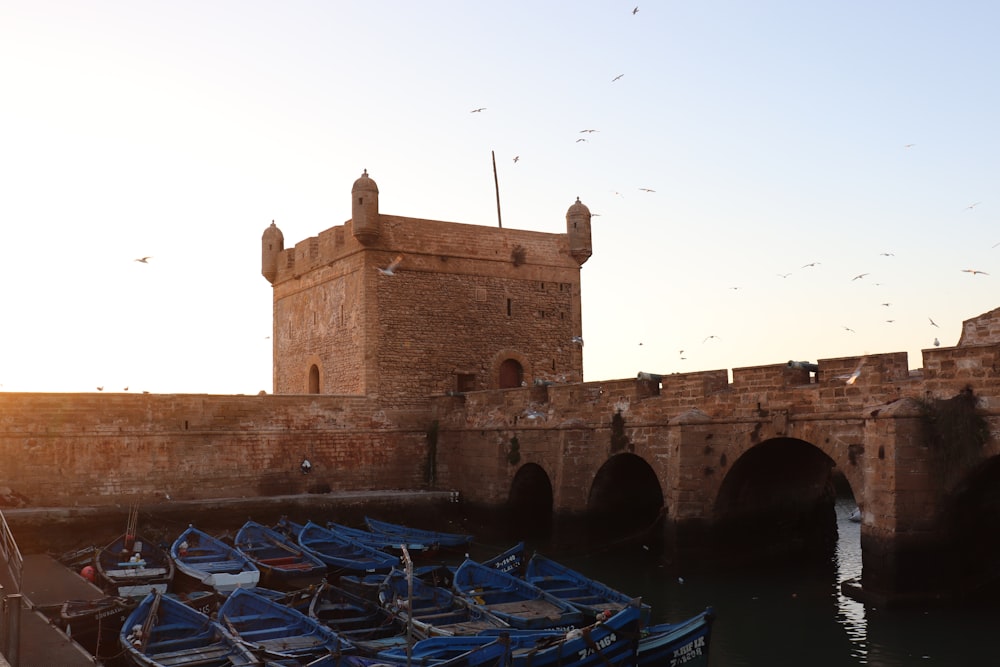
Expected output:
{"points": [[578, 230], [364, 210], [272, 243]]}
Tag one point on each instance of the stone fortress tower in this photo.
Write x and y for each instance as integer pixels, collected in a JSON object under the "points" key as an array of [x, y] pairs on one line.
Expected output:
{"points": [[469, 308]]}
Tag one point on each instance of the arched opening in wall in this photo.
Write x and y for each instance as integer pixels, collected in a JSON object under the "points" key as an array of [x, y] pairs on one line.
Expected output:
{"points": [[511, 374], [625, 502], [778, 499], [971, 531], [313, 379], [530, 502]]}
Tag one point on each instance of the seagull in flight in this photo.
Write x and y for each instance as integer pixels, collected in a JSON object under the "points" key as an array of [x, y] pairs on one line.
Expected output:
{"points": [[974, 271], [846, 328], [144, 260], [516, 158], [391, 269], [973, 205], [617, 77], [478, 110], [886, 254], [588, 131], [853, 377], [933, 323], [859, 276], [647, 190], [783, 275], [100, 389], [635, 11], [909, 145], [580, 139], [810, 264], [708, 338]]}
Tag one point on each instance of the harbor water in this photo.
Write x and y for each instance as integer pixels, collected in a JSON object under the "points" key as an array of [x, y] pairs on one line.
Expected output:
{"points": [[796, 615], [790, 614]]}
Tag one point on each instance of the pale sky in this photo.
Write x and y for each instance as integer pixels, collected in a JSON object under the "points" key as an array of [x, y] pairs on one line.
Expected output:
{"points": [[860, 136]]}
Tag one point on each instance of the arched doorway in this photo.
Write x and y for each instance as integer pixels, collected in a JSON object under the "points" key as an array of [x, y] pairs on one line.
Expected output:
{"points": [[625, 500], [314, 379], [530, 501], [778, 500], [511, 374]]}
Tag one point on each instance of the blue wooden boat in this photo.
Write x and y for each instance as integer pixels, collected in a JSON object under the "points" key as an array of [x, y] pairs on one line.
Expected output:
{"points": [[344, 555], [588, 595], [683, 643], [486, 652], [383, 541], [364, 623], [436, 539], [519, 603], [431, 610], [209, 562], [609, 643], [132, 566], [163, 632], [276, 631], [282, 562]]}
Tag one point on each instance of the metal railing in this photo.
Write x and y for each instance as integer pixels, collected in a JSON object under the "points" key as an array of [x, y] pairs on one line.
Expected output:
{"points": [[11, 554]]}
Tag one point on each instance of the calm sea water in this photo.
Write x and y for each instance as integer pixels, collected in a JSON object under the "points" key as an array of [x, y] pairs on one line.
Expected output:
{"points": [[791, 615]]}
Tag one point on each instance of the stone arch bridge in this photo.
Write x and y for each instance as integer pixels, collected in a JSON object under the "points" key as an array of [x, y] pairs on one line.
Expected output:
{"points": [[918, 450]]}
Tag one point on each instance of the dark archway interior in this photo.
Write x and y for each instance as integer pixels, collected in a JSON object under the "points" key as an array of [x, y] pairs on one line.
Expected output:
{"points": [[778, 498], [625, 499], [530, 502], [972, 522]]}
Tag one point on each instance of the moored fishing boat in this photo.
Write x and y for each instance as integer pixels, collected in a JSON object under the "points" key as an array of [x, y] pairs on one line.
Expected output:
{"points": [[343, 555], [434, 538], [519, 603], [132, 566], [282, 562], [275, 630], [208, 562], [432, 610], [364, 623], [612, 642], [163, 632], [588, 595], [683, 643]]}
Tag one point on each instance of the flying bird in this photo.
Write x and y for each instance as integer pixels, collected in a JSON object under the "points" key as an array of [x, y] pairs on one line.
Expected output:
{"points": [[853, 377], [144, 260], [707, 338], [886, 254], [391, 269], [886, 304], [580, 139], [783, 275], [859, 276], [516, 158], [647, 190], [617, 77], [806, 266], [635, 11], [933, 323], [909, 145], [478, 110], [588, 131], [846, 328], [973, 205], [974, 271], [100, 389]]}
